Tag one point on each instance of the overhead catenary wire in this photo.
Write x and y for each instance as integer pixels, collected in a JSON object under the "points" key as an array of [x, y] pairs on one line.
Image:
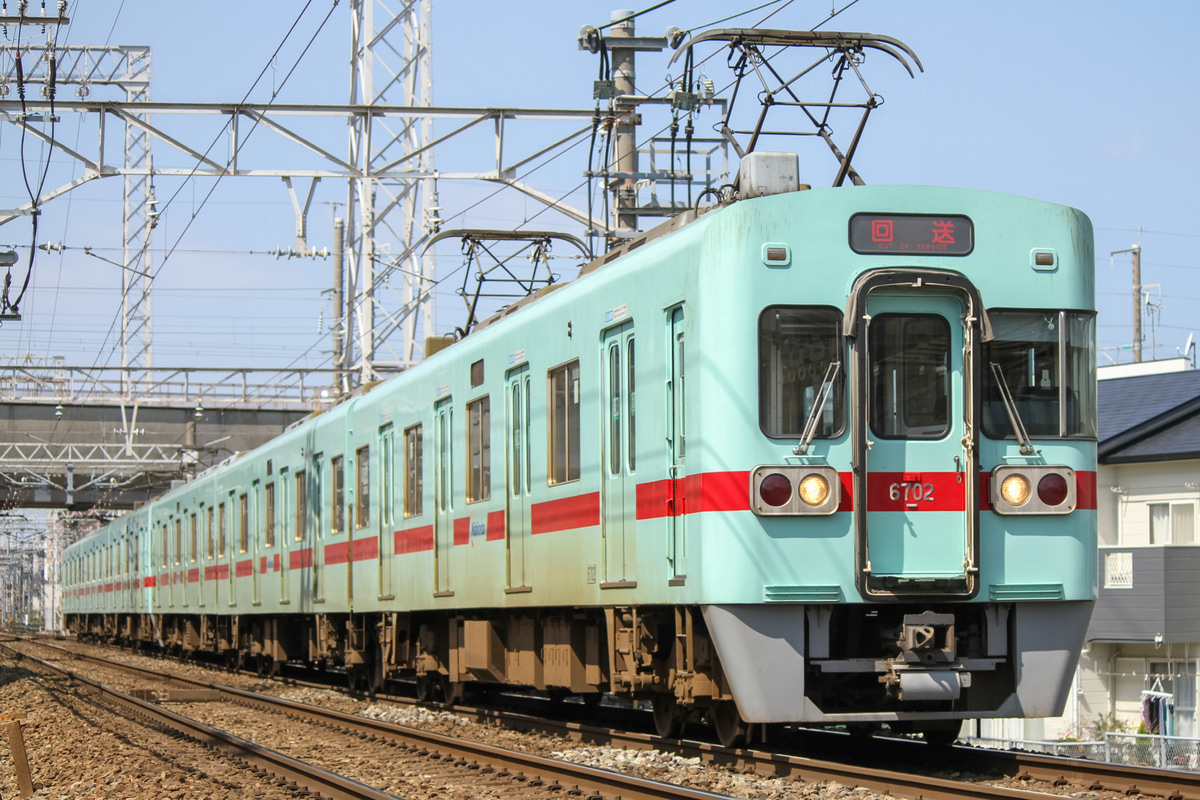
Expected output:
{"points": [[241, 144]]}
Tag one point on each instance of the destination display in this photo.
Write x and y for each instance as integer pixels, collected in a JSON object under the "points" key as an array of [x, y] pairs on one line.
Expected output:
{"points": [[917, 234]]}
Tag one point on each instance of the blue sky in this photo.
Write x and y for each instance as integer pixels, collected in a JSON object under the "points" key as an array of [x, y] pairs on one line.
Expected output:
{"points": [[1090, 104]]}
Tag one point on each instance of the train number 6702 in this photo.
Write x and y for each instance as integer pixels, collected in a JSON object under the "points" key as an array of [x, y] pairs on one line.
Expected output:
{"points": [[911, 491]]}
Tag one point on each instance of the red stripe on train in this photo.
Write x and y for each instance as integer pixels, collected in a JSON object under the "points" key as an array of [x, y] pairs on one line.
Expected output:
{"points": [[495, 526], [414, 540], [565, 514], [366, 549], [462, 530]]}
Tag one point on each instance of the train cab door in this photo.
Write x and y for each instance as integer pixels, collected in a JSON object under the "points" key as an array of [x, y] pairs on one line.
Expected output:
{"points": [[519, 466], [443, 524], [619, 498], [916, 518], [677, 452]]}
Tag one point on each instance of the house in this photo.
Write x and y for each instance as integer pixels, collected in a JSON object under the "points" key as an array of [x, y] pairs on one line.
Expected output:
{"points": [[1144, 639]]}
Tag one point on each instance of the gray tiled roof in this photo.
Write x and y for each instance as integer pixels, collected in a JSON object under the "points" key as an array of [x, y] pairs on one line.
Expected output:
{"points": [[1150, 417]]}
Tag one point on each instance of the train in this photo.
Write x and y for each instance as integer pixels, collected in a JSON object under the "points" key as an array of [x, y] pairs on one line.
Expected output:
{"points": [[824, 457]]}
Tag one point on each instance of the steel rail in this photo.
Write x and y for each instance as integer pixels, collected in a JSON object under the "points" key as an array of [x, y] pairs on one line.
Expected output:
{"points": [[592, 782], [304, 775]]}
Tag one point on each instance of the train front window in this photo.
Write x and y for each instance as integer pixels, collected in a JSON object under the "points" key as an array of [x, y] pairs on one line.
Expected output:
{"points": [[1048, 359], [910, 376], [796, 345]]}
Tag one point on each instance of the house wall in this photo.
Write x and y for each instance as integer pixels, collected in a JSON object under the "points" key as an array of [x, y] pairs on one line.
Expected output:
{"points": [[1125, 491], [1164, 598]]}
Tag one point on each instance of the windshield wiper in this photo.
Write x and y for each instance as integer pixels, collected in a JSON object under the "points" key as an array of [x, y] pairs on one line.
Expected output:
{"points": [[810, 427], [1014, 417]]}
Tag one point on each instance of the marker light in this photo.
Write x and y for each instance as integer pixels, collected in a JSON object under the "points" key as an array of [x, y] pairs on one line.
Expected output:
{"points": [[1015, 490], [814, 490], [775, 490], [1052, 489]]}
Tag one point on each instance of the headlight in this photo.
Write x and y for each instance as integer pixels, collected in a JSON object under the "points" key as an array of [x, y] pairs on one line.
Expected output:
{"points": [[814, 490], [1012, 489], [1015, 490]]}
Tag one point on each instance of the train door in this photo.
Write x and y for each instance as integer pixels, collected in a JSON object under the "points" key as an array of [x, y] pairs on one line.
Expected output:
{"points": [[619, 497], [915, 438], [286, 519], [443, 525], [254, 521], [230, 551], [518, 462], [319, 526], [677, 455], [387, 508]]}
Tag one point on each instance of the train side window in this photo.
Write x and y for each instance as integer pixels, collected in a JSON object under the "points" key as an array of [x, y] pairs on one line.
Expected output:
{"points": [[413, 472], [362, 487], [387, 475], [337, 485], [244, 520], [269, 516], [178, 541], [564, 424], [301, 506], [796, 345], [191, 532], [221, 530], [479, 450], [165, 545], [212, 547]]}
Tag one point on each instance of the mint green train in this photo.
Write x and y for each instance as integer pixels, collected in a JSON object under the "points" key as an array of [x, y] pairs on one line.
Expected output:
{"points": [[807, 456]]}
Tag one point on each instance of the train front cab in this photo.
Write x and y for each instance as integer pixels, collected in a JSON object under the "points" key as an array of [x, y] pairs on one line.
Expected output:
{"points": [[971, 447]]}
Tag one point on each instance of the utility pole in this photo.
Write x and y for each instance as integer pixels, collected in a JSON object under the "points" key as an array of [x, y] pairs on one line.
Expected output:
{"points": [[624, 45], [1136, 250]]}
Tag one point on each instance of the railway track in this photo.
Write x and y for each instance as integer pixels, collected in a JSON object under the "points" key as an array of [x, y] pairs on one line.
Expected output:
{"points": [[1018, 775]]}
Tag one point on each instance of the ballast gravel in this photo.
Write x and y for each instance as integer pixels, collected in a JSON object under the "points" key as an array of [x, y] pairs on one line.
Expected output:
{"points": [[79, 748]]}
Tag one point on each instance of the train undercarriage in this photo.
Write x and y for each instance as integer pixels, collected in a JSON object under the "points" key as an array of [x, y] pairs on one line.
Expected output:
{"points": [[919, 669]]}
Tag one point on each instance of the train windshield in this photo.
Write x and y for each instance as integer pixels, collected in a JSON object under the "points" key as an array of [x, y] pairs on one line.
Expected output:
{"points": [[1048, 360], [796, 345]]}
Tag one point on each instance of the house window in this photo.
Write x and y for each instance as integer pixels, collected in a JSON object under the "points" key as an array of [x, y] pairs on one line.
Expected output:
{"points": [[1177, 678], [1118, 570], [1172, 523]]}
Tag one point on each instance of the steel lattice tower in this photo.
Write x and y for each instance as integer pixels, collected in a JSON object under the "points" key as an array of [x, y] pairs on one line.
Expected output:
{"points": [[391, 66]]}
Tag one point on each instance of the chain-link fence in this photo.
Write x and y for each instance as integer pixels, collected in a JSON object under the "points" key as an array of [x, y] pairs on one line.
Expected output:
{"points": [[1139, 749]]}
